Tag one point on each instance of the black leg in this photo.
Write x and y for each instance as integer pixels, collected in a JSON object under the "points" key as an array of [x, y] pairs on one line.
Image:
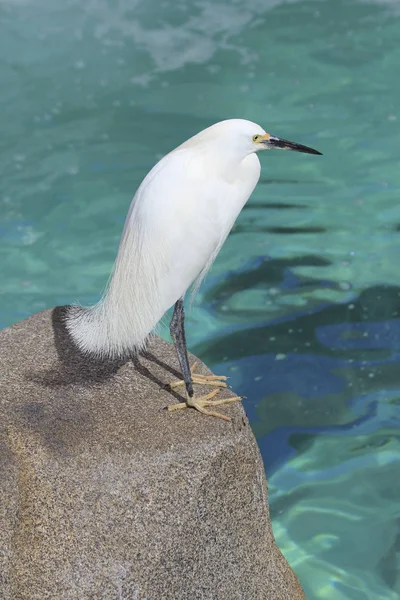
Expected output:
{"points": [[177, 330]]}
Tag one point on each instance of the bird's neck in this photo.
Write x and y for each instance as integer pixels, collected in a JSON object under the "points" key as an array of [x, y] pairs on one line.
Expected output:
{"points": [[228, 162]]}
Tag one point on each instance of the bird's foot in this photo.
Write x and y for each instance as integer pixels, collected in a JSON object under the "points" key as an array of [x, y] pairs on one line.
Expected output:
{"points": [[202, 402], [213, 380]]}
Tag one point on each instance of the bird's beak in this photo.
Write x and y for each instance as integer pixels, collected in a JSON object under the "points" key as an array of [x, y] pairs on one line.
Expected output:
{"points": [[275, 142]]}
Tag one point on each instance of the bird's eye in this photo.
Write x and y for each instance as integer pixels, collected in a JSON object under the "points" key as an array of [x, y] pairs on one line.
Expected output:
{"points": [[256, 138]]}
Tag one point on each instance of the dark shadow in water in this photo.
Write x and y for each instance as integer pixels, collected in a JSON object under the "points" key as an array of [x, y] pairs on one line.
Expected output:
{"points": [[271, 181], [274, 206], [291, 230], [388, 564], [251, 227], [267, 273], [379, 303]]}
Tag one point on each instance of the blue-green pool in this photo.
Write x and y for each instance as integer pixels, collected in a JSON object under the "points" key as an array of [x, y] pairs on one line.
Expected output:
{"points": [[302, 307]]}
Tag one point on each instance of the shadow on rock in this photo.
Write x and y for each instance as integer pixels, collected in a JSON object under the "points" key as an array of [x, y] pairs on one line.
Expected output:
{"points": [[74, 367]]}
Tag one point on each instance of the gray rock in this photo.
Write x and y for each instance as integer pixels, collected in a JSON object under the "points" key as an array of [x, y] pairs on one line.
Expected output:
{"points": [[107, 496]]}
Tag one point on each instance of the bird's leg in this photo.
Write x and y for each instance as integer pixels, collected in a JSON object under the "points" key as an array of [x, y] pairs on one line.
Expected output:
{"points": [[177, 329]]}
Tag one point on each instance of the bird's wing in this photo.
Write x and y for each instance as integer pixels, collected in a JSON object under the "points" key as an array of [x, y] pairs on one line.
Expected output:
{"points": [[179, 218], [178, 223]]}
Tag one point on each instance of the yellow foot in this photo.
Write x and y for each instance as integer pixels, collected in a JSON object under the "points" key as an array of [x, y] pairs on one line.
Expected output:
{"points": [[214, 380], [202, 402]]}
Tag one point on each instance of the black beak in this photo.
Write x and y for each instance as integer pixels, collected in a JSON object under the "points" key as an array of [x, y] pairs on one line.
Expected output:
{"points": [[275, 142]]}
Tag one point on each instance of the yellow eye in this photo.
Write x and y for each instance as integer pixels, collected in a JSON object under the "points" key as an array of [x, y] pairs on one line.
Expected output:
{"points": [[256, 138]]}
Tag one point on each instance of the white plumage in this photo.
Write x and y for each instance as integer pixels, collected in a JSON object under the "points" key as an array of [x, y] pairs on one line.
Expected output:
{"points": [[177, 222]]}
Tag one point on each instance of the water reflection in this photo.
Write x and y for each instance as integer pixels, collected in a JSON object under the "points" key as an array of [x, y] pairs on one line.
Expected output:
{"points": [[323, 394], [277, 278], [359, 330], [313, 367]]}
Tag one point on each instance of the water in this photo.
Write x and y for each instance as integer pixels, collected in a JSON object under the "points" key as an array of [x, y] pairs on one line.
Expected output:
{"points": [[302, 306]]}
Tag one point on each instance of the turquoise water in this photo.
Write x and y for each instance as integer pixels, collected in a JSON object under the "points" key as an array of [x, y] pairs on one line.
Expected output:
{"points": [[302, 306]]}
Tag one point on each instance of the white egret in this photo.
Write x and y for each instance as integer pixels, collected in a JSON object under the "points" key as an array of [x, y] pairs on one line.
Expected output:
{"points": [[178, 220]]}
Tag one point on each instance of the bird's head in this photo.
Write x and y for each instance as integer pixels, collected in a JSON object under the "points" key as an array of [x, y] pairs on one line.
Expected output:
{"points": [[248, 137], [266, 141]]}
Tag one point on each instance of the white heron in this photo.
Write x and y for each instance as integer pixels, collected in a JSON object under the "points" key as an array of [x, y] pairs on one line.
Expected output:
{"points": [[178, 220]]}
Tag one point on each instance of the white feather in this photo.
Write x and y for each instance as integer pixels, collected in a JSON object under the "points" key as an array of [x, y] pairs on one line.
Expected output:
{"points": [[178, 220]]}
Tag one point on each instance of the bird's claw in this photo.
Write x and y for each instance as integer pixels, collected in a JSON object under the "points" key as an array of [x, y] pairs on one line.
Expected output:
{"points": [[202, 402], [212, 380]]}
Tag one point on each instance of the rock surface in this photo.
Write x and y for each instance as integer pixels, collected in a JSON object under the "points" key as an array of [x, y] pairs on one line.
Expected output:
{"points": [[106, 496]]}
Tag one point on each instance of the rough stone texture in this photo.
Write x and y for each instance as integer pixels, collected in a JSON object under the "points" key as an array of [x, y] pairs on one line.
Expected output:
{"points": [[106, 496]]}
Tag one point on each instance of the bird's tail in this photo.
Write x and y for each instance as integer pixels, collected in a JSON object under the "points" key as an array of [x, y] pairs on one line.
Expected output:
{"points": [[120, 324], [98, 332]]}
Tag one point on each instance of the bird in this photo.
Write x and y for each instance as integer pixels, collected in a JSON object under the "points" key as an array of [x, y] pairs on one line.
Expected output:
{"points": [[178, 220]]}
